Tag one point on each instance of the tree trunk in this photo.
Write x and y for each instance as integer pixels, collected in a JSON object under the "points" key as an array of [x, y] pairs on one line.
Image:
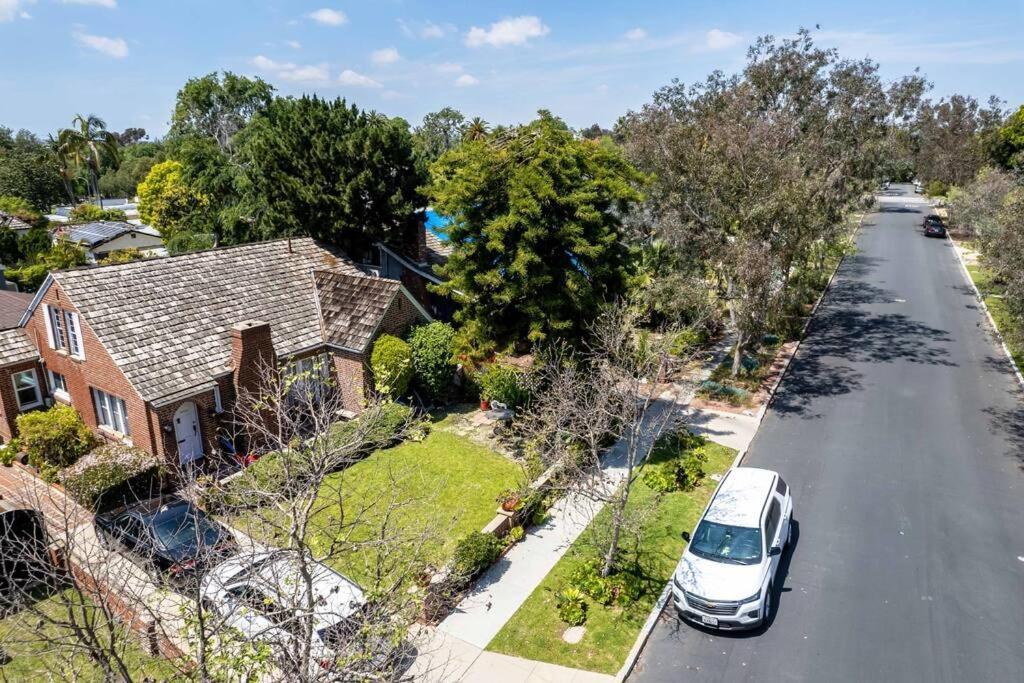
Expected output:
{"points": [[737, 355], [613, 547]]}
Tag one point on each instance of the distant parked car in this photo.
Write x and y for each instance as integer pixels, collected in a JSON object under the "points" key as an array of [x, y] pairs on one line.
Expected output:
{"points": [[933, 226], [726, 577], [264, 595], [24, 561], [173, 542]]}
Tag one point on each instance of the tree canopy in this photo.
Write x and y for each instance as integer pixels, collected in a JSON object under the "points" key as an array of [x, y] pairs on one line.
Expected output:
{"points": [[218, 106], [535, 231], [328, 170]]}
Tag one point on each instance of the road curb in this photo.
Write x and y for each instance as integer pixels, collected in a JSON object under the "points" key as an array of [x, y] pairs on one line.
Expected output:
{"points": [[988, 314], [666, 592]]}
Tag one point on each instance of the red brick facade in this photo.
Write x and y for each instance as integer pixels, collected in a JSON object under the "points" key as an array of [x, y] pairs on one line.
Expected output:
{"points": [[9, 408], [152, 427]]}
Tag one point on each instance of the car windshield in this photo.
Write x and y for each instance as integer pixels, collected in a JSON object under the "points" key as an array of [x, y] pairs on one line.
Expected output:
{"points": [[185, 531], [723, 543]]}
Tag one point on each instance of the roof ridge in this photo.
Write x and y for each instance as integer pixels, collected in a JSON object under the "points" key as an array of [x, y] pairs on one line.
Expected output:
{"points": [[221, 249]]}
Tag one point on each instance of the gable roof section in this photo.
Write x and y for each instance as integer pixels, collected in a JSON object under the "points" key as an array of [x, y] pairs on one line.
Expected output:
{"points": [[16, 347], [167, 322], [12, 306], [13, 222], [352, 307], [99, 232], [438, 250]]}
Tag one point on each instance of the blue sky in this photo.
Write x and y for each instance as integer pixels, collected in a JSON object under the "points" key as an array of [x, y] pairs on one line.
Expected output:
{"points": [[586, 61]]}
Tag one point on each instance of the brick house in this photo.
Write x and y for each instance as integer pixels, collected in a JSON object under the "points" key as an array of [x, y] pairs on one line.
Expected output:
{"points": [[154, 352]]}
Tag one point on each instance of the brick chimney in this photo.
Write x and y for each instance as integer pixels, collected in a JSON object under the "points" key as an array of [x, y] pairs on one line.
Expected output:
{"points": [[251, 349]]}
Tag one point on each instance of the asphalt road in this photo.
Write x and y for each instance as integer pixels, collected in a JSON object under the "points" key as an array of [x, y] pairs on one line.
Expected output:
{"points": [[900, 429]]}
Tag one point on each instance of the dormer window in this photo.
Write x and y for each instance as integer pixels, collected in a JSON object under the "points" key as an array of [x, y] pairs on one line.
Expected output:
{"points": [[64, 331]]}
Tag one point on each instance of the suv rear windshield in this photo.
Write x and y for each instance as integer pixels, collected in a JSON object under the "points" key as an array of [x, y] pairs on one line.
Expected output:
{"points": [[723, 543]]}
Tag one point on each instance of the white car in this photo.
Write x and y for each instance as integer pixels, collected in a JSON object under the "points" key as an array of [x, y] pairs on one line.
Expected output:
{"points": [[263, 596], [725, 577]]}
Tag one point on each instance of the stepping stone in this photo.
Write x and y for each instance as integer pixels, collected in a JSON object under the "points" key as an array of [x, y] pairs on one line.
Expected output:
{"points": [[574, 634]]}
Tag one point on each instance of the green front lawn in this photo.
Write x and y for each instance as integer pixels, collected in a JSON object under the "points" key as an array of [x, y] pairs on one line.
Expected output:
{"points": [[41, 650], [1009, 326], [535, 631], [427, 494]]}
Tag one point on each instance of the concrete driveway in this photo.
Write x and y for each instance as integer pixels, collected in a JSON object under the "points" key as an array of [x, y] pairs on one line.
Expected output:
{"points": [[901, 431]]}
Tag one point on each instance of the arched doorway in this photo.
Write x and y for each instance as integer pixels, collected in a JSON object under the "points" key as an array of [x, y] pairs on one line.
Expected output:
{"points": [[186, 433]]}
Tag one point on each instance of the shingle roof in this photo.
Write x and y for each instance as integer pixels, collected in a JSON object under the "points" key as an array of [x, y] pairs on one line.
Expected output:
{"points": [[352, 307], [13, 222], [12, 306], [166, 322], [438, 250], [15, 346], [97, 232]]}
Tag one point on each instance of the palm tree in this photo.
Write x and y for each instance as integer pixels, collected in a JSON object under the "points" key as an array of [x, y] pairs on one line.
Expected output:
{"points": [[476, 130], [65, 166], [85, 144]]}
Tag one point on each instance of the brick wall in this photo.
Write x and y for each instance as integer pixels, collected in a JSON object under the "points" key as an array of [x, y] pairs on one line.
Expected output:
{"points": [[354, 380], [399, 317], [9, 401], [97, 370]]}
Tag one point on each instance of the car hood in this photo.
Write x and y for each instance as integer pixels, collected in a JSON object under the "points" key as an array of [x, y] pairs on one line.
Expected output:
{"points": [[719, 581]]}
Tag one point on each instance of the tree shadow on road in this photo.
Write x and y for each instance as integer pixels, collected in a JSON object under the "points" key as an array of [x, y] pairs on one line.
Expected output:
{"points": [[841, 336], [1009, 422]]}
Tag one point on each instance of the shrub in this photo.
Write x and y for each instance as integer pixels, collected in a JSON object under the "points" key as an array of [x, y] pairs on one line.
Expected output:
{"points": [[503, 384], [770, 339], [515, 534], [571, 607], [391, 362], [57, 436], [662, 477], [627, 588], [474, 553], [388, 422], [587, 579], [724, 392], [84, 213], [677, 462], [936, 188], [432, 348], [105, 469], [749, 364], [7, 456], [688, 341]]}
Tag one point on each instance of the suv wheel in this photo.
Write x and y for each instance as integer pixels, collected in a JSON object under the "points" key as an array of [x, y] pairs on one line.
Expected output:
{"points": [[767, 606]]}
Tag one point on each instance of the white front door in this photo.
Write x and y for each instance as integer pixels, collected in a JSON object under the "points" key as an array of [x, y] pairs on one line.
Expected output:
{"points": [[186, 433]]}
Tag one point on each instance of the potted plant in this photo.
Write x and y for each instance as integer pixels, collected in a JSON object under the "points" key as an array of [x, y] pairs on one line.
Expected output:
{"points": [[484, 403], [510, 502]]}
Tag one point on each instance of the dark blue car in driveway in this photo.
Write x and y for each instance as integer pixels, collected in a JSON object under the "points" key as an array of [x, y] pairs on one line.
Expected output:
{"points": [[173, 541]]}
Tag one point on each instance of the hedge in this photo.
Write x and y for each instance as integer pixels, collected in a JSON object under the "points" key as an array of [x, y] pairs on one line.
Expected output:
{"points": [[56, 437], [106, 469], [391, 362], [432, 348]]}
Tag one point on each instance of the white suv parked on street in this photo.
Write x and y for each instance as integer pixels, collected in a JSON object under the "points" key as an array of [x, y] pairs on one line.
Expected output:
{"points": [[725, 577]]}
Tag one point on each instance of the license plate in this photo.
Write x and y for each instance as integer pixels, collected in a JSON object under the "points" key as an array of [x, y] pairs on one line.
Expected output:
{"points": [[710, 621]]}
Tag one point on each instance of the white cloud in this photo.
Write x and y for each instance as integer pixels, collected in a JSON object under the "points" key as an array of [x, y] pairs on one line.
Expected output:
{"points": [[448, 68], [289, 71], [328, 17], [387, 55], [466, 81], [10, 9], [99, 3], [293, 44], [716, 39], [356, 80], [515, 31], [112, 47], [427, 30], [636, 34]]}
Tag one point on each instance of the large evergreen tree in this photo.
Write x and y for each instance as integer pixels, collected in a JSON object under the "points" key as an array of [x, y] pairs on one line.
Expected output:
{"points": [[328, 170], [536, 231]]}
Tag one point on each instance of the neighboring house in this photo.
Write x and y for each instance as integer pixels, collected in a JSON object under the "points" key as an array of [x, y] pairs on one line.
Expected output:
{"points": [[155, 352], [100, 238], [22, 387], [414, 266], [19, 226]]}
